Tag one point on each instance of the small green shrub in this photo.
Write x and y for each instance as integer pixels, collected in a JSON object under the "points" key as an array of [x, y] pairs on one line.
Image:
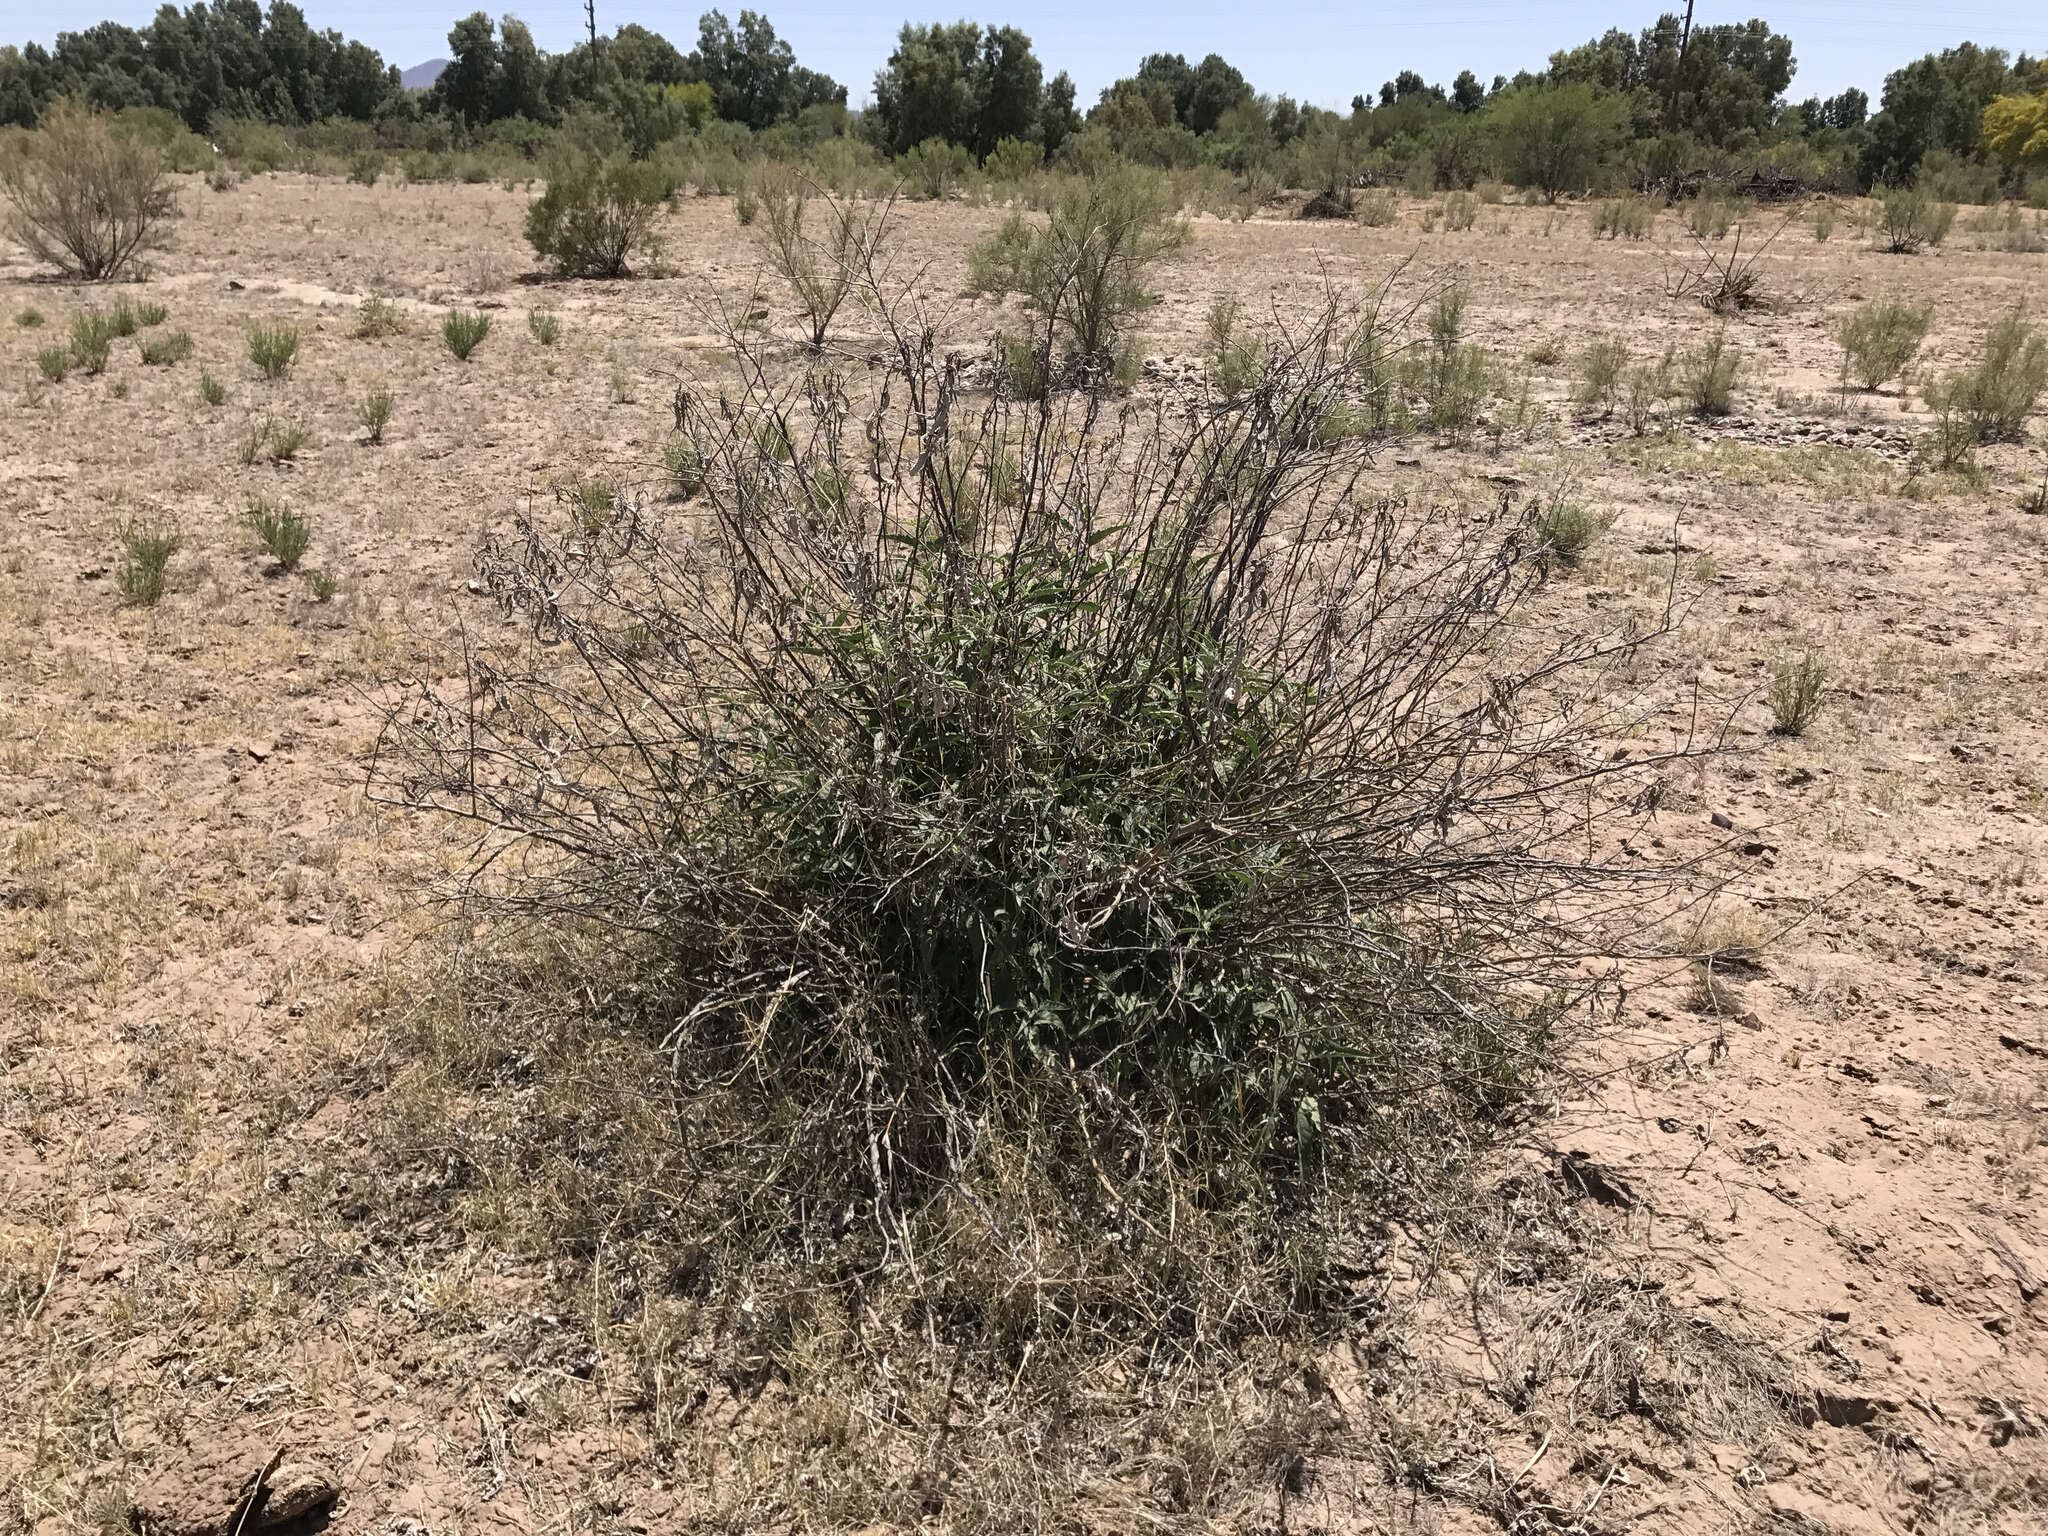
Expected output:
{"points": [[545, 325], [92, 340], [283, 533], [683, 465], [1236, 361], [1083, 271], [321, 584], [464, 330], [365, 166], [280, 439], [374, 412], [1623, 217], [171, 347], [147, 548], [1451, 375], [378, 316], [211, 390], [273, 348], [1989, 401], [1707, 374], [148, 314], [1568, 529], [1880, 338], [1910, 220], [1460, 209], [1024, 370], [1823, 221], [286, 439], [122, 321], [1600, 374], [746, 207], [933, 170], [28, 319], [1795, 693], [1645, 386], [55, 363], [592, 504]]}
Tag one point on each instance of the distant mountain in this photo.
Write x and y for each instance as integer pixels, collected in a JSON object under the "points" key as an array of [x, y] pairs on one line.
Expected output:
{"points": [[420, 76]]}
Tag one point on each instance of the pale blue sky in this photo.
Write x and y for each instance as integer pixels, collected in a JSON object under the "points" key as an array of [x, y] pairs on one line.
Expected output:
{"points": [[1314, 50]]}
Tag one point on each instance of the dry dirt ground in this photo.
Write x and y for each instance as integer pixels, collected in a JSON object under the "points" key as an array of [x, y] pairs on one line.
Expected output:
{"points": [[207, 1255]]}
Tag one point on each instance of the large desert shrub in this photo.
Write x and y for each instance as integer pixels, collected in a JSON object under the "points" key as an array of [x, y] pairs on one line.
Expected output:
{"points": [[1084, 871], [594, 215], [1083, 270], [82, 198]]}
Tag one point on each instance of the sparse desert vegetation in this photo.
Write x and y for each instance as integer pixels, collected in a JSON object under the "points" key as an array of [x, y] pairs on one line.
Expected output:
{"points": [[997, 839]]}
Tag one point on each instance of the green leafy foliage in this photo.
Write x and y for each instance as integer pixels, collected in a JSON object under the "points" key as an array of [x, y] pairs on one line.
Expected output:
{"points": [[273, 347], [594, 216], [463, 331]]}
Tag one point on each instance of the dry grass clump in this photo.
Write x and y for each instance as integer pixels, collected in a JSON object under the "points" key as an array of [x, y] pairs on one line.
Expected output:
{"points": [[1074, 873], [378, 316], [85, 200], [1796, 690], [1623, 217], [1601, 368]]}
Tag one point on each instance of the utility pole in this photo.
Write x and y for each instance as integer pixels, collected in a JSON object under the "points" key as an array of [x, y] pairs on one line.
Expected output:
{"points": [[1677, 67], [590, 19]]}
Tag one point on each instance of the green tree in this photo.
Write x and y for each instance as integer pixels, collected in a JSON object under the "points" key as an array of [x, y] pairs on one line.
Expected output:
{"points": [[1553, 136], [970, 85], [1936, 102], [468, 87]]}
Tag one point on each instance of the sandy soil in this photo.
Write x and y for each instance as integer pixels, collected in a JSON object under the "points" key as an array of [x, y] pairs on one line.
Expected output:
{"points": [[201, 918]]}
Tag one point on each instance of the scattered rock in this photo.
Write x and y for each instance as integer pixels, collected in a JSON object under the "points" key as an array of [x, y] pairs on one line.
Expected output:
{"points": [[1581, 1173], [229, 1488]]}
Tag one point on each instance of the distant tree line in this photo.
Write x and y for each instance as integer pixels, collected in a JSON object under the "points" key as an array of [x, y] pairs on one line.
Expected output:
{"points": [[1659, 106]]}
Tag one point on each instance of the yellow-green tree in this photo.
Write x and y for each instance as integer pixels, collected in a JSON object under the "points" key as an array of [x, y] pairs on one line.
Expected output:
{"points": [[2016, 129]]}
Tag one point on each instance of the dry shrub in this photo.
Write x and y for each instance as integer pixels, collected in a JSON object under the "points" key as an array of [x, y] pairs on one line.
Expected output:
{"points": [[1067, 877], [819, 265], [1083, 272], [84, 200], [1910, 219]]}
